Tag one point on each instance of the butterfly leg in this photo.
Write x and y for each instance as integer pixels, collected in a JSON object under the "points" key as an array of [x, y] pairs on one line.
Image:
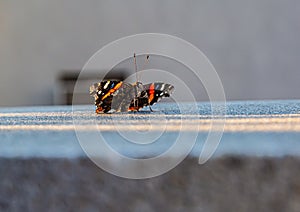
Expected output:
{"points": [[150, 108]]}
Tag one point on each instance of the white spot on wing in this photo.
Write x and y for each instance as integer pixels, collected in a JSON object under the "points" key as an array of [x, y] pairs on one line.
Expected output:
{"points": [[106, 84]]}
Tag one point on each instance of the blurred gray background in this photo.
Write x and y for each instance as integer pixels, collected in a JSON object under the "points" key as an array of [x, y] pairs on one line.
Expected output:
{"points": [[254, 45]]}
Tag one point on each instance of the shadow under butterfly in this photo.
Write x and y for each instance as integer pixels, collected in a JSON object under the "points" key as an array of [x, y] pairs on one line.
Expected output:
{"points": [[119, 96]]}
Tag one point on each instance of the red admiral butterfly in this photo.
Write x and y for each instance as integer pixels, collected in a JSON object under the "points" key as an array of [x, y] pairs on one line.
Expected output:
{"points": [[119, 96]]}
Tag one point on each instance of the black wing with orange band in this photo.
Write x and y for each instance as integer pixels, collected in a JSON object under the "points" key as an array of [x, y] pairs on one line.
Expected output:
{"points": [[157, 90], [112, 95], [151, 94]]}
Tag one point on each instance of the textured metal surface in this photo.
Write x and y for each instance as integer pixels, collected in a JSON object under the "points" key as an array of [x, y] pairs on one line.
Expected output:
{"points": [[255, 128]]}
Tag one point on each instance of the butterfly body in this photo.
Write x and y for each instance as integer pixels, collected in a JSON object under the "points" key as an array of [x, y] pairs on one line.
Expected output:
{"points": [[119, 96]]}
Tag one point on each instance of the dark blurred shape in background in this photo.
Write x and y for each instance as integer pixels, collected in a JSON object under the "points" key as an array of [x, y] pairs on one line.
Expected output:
{"points": [[64, 88], [254, 45]]}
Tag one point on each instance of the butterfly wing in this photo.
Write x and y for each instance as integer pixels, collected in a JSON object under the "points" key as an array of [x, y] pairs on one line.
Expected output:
{"points": [[112, 95], [139, 101], [123, 97], [157, 90], [150, 94]]}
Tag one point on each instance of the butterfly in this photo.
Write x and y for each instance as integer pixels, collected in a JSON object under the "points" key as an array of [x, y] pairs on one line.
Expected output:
{"points": [[119, 96]]}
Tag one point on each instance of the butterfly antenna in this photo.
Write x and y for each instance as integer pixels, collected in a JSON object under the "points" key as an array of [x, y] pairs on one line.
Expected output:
{"points": [[135, 67], [136, 103], [135, 100], [145, 63]]}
